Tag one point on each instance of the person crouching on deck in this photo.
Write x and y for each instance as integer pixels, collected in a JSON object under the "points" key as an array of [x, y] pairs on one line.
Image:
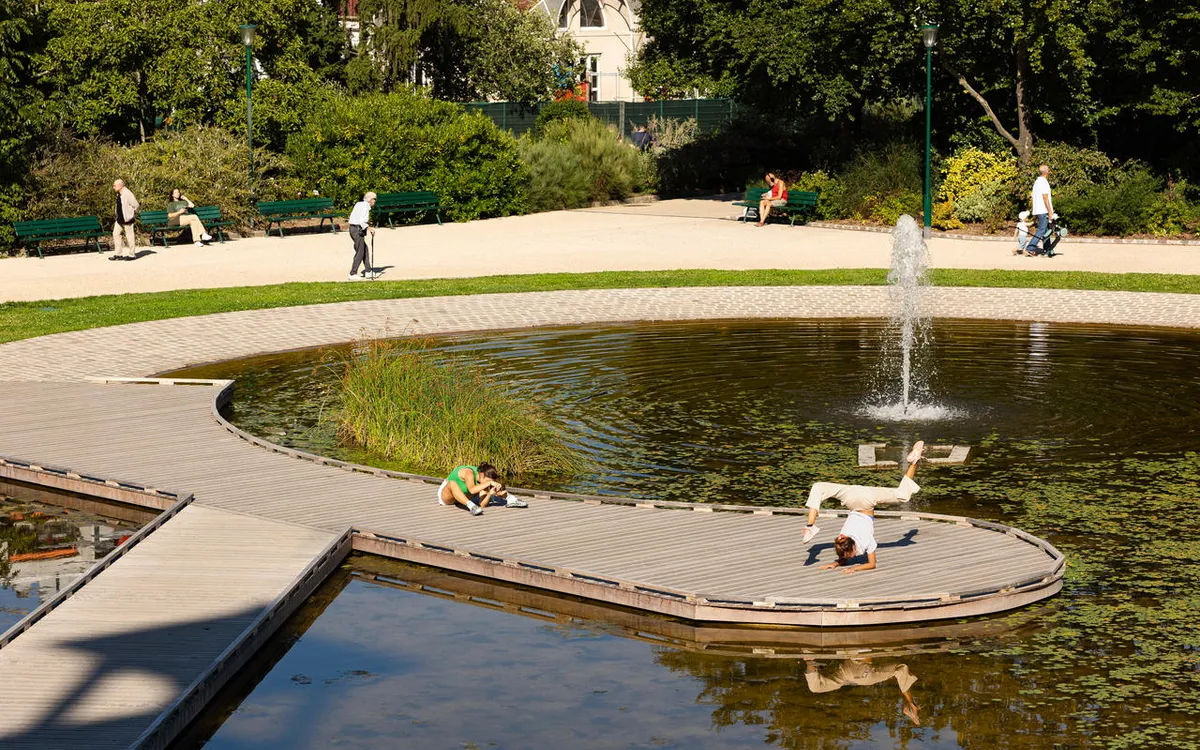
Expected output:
{"points": [[473, 487], [857, 536]]}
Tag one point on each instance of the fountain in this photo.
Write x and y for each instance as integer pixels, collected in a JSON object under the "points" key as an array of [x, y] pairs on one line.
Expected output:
{"points": [[907, 334]]}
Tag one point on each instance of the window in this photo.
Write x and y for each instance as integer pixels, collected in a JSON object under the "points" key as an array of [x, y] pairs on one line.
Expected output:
{"points": [[591, 76], [591, 14], [564, 17]]}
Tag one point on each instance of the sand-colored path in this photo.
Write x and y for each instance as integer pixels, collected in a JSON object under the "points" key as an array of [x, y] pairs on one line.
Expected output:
{"points": [[674, 234]]}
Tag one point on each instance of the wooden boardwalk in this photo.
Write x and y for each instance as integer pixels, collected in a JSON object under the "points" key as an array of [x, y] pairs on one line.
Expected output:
{"points": [[262, 517]]}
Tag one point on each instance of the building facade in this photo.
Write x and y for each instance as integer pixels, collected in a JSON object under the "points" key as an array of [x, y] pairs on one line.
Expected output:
{"points": [[609, 33]]}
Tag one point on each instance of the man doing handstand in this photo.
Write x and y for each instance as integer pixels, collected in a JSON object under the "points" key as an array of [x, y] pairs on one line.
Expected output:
{"points": [[857, 536]]}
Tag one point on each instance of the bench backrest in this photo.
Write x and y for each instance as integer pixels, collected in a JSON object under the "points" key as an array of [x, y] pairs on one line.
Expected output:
{"points": [[154, 218], [50, 227], [414, 198], [802, 198], [754, 195], [302, 205]]}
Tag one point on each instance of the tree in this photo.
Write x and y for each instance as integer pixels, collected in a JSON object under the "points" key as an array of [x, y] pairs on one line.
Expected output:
{"points": [[471, 49], [120, 67], [22, 111]]}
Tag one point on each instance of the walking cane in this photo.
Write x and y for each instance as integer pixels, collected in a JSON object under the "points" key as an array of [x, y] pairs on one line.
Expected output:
{"points": [[374, 274]]}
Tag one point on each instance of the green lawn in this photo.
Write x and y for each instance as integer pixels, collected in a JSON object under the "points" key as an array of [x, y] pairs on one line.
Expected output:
{"points": [[19, 320]]}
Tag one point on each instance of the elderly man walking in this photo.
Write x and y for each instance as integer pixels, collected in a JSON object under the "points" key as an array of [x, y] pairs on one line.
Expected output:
{"points": [[360, 224], [1043, 210], [124, 240]]}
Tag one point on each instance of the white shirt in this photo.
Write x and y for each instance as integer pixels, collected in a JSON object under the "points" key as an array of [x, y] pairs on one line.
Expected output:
{"points": [[1041, 186], [361, 215], [861, 528]]}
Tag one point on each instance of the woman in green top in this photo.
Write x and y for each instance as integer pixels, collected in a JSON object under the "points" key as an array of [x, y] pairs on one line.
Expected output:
{"points": [[473, 487], [177, 215]]}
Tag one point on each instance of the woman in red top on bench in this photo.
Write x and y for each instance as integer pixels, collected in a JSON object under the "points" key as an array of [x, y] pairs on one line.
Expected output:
{"points": [[776, 196]]}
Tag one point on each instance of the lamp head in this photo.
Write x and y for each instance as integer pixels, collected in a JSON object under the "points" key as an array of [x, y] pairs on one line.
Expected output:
{"points": [[929, 35], [248, 33]]}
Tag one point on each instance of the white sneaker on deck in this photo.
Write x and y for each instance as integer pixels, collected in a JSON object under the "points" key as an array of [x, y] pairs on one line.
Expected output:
{"points": [[809, 533], [206, 237]]}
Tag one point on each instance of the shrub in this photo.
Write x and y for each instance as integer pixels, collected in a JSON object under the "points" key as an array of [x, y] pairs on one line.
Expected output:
{"points": [[564, 109], [612, 169], [405, 141], [74, 177], [1120, 206], [970, 169], [398, 402], [1073, 170], [1172, 213], [556, 179], [669, 133], [944, 217], [281, 108], [818, 181], [881, 185], [990, 203]]}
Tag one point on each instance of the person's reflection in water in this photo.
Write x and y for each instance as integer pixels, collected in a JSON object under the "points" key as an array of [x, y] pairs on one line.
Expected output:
{"points": [[863, 672]]}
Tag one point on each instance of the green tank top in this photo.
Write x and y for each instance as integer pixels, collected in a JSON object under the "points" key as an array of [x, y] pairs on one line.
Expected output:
{"points": [[458, 480]]}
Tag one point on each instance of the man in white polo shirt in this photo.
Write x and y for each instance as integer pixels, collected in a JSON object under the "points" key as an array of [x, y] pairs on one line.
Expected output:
{"points": [[1043, 209], [857, 536], [360, 224]]}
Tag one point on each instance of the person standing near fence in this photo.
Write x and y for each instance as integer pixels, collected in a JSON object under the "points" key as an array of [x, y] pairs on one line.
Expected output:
{"points": [[360, 225], [126, 213]]}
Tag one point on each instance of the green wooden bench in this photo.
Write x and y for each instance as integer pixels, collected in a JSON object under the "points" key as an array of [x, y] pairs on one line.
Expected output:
{"points": [[750, 202], [800, 204], [34, 233], [388, 205], [158, 224], [277, 212]]}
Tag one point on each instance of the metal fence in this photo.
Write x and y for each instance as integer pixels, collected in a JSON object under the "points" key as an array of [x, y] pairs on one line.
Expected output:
{"points": [[710, 114]]}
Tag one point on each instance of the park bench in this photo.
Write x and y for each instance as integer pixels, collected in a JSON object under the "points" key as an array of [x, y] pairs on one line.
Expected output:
{"points": [[421, 201], [801, 204], [277, 212], [34, 233], [750, 203], [158, 224]]}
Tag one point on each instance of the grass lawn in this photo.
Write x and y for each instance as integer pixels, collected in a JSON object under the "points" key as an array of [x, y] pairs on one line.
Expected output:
{"points": [[20, 320]]}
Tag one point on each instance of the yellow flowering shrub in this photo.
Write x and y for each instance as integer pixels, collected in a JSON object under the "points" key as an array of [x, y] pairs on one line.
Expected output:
{"points": [[970, 169]]}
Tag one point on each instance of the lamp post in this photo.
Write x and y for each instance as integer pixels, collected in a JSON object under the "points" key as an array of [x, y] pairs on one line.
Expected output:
{"points": [[248, 40], [929, 38]]}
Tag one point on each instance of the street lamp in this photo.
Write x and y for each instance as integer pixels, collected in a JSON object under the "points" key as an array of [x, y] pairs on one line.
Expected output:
{"points": [[248, 40], [929, 38]]}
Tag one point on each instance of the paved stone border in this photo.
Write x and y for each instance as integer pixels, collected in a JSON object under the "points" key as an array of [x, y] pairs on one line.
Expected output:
{"points": [[1070, 239], [144, 349]]}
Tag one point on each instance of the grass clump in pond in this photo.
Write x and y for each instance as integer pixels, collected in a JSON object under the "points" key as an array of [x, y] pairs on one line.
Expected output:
{"points": [[427, 414]]}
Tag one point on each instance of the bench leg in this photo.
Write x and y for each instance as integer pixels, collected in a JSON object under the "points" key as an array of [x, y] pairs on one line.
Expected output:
{"points": [[437, 214], [221, 235]]}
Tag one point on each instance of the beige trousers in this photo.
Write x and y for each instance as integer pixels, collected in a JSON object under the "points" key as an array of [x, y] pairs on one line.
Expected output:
{"points": [[193, 221], [130, 240], [858, 497]]}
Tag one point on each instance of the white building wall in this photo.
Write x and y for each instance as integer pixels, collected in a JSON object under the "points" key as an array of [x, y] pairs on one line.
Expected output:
{"points": [[611, 44]]}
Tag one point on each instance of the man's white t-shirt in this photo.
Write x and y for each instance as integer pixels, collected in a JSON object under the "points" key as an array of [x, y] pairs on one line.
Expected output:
{"points": [[861, 528], [1041, 186]]}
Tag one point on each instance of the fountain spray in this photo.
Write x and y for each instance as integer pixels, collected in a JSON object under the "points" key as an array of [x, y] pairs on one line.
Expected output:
{"points": [[905, 282]]}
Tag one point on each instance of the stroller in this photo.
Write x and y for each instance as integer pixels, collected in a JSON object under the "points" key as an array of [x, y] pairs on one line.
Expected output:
{"points": [[1055, 231]]}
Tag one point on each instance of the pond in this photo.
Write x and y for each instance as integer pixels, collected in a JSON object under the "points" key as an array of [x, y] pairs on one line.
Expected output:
{"points": [[1085, 436]]}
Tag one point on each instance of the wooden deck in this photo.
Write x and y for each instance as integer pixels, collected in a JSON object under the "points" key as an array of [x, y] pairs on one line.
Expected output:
{"points": [[262, 515]]}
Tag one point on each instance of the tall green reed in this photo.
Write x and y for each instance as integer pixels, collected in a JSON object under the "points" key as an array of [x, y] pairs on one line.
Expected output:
{"points": [[425, 414]]}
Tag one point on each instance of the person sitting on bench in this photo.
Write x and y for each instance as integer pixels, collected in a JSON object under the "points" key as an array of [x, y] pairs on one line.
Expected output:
{"points": [[179, 215], [857, 536], [776, 196]]}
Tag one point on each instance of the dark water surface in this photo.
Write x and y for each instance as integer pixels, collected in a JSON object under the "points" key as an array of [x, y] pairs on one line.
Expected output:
{"points": [[1085, 436]]}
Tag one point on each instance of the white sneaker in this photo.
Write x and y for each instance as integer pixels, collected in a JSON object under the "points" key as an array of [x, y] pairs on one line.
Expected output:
{"points": [[354, 277], [475, 509], [809, 533], [371, 275], [198, 243], [206, 237], [512, 501], [918, 450]]}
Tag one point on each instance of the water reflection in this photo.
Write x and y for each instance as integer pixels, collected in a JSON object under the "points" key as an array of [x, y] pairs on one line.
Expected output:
{"points": [[863, 672]]}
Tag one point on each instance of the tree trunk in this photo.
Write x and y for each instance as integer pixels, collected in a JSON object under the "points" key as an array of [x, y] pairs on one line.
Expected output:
{"points": [[1024, 143]]}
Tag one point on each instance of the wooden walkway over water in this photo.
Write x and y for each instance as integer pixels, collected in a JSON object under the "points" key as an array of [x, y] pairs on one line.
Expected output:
{"points": [[216, 577]]}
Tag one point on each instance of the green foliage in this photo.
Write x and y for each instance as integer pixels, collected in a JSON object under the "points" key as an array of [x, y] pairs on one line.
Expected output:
{"points": [[970, 170], [657, 76], [669, 133], [1119, 207], [944, 217], [1073, 169], [405, 141], [211, 166], [580, 161], [1172, 213], [817, 181], [22, 109], [399, 402], [281, 108], [567, 109], [880, 185]]}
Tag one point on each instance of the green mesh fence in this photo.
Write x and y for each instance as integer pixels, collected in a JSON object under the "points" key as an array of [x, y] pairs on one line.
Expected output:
{"points": [[710, 114]]}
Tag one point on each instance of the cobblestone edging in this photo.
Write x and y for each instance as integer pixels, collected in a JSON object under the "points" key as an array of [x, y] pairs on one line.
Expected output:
{"points": [[1070, 239], [143, 349]]}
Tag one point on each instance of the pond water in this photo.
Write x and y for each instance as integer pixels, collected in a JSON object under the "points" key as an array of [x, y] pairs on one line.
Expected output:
{"points": [[50, 538], [1085, 436]]}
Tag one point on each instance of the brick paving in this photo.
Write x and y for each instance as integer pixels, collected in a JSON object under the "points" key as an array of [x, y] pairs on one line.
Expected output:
{"points": [[143, 349]]}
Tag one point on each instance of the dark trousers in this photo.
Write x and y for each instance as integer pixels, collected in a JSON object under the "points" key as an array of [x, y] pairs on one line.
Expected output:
{"points": [[360, 248]]}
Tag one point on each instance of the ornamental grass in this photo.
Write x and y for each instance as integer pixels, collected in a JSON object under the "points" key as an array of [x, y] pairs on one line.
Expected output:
{"points": [[428, 413]]}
